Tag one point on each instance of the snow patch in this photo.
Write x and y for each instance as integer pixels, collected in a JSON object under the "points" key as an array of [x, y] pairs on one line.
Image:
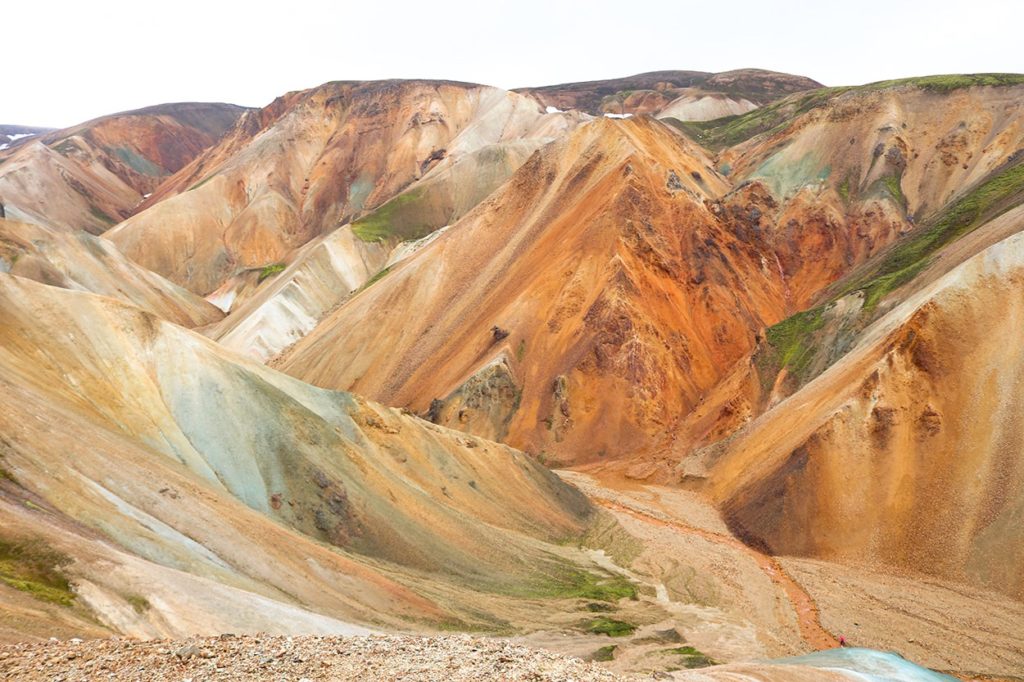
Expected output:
{"points": [[618, 115], [553, 110], [18, 136]]}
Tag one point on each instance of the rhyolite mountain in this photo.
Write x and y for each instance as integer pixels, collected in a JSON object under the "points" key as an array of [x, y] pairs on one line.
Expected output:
{"points": [[307, 369], [94, 175]]}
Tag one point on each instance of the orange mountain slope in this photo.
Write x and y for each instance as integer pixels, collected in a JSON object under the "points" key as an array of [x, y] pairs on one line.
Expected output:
{"points": [[552, 301], [95, 174], [593, 300], [310, 162], [906, 451]]}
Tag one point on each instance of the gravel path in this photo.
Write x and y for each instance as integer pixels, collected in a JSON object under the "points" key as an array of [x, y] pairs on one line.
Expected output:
{"points": [[228, 657]]}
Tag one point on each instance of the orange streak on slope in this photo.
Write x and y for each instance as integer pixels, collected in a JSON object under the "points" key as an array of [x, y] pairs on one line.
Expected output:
{"points": [[806, 610]]}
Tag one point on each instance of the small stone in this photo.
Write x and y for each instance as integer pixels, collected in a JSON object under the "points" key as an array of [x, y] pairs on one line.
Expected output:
{"points": [[187, 652]]}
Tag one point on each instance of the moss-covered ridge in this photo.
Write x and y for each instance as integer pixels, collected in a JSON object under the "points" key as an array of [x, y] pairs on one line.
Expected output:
{"points": [[729, 131], [794, 343]]}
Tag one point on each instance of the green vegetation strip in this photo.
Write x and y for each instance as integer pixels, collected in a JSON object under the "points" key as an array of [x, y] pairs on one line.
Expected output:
{"points": [[994, 196], [728, 131], [692, 658], [32, 567], [566, 582], [270, 270], [951, 82], [731, 130], [397, 219], [791, 343], [610, 627]]}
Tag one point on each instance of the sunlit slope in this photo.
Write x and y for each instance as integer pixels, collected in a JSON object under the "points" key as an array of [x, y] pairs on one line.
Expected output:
{"points": [[86, 263], [93, 175], [134, 432], [310, 162], [907, 450]]}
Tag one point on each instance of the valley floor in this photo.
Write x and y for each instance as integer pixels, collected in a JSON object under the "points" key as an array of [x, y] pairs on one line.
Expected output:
{"points": [[704, 598], [734, 603]]}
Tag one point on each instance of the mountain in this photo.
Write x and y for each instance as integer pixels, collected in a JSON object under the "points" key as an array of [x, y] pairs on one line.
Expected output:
{"points": [[688, 95], [95, 174], [764, 331], [314, 160], [562, 318], [80, 261], [11, 134], [183, 489]]}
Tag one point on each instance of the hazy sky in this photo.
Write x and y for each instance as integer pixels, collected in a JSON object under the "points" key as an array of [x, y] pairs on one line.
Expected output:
{"points": [[66, 62]]}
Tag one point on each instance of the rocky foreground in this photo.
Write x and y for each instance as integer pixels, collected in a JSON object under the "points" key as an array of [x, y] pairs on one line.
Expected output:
{"points": [[231, 657]]}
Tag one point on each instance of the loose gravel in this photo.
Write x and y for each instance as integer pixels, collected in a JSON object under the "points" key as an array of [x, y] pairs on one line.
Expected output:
{"points": [[455, 658]]}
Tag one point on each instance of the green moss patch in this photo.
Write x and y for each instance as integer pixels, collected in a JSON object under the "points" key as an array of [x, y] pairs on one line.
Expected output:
{"points": [[692, 658], [399, 219], [790, 342], [610, 627], [202, 182], [31, 566], [605, 653], [270, 271], [376, 278], [564, 581], [139, 603]]}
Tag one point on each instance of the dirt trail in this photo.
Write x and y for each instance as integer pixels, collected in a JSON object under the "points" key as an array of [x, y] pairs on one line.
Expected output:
{"points": [[808, 619]]}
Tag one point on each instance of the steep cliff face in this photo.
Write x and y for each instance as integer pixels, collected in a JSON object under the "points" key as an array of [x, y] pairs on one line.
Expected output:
{"points": [[312, 161]]}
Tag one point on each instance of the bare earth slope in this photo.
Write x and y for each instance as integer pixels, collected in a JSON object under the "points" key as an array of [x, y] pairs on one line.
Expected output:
{"points": [[95, 174], [86, 263], [237, 499], [310, 162], [650, 92]]}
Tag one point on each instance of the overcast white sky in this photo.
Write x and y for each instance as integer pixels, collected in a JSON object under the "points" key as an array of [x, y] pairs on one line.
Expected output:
{"points": [[65, 62]]}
